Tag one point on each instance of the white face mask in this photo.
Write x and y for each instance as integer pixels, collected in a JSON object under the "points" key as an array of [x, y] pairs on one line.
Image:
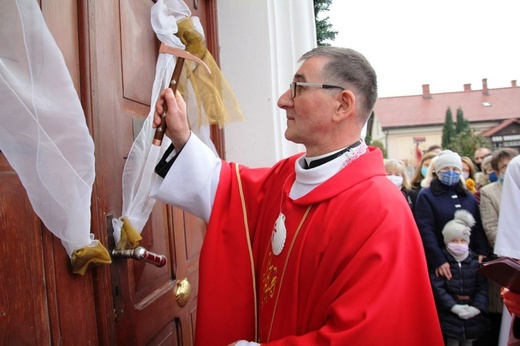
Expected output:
{"points": [[397, 180], [465, 175], [458, 249]]}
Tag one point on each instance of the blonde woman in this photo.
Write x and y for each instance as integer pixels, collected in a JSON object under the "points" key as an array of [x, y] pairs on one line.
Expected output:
{"points": [[468, 172], [396, 172], [430, 173], [421, 170]]}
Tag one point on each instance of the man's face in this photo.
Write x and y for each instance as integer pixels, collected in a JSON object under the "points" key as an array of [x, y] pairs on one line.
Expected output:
{"points": [[309, 113], [502, 166], [480, 155]]}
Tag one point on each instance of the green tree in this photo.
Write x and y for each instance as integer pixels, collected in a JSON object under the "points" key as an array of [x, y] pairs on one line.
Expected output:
{"points": [[466, 142], [448, 130], [368, 139], [462, 124], [324, 30]]}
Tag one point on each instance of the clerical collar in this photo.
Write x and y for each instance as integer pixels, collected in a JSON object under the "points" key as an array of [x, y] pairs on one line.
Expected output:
{"points": [[311, 162]]}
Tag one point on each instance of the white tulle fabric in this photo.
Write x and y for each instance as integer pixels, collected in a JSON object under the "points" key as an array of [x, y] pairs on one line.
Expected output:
{"points": [[508, 236], [43, 133], [138, 174]]}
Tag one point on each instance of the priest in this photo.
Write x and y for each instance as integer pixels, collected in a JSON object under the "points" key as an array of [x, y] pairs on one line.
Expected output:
{"points": [[319, 249]]}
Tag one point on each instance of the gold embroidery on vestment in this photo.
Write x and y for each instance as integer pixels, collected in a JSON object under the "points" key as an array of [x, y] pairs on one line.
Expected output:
{"points": [[288, 255], [269, 279]]}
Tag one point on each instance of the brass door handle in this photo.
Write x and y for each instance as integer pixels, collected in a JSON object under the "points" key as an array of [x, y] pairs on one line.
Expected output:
{"points": [[182, 292], [141, 254]]}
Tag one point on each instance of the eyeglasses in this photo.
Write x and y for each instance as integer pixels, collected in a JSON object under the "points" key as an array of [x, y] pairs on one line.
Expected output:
{"points": [[294, 87]]}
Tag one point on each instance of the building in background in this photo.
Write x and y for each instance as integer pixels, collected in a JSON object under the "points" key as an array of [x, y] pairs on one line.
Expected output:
{"points": [[403, 122]]}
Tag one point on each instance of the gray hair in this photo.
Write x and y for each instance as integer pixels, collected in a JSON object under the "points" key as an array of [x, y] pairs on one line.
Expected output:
{"points": [[350, 68]]}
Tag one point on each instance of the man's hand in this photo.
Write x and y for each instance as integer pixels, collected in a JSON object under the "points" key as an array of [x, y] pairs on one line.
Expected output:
{"points": [[177, 127], [444, 270]]}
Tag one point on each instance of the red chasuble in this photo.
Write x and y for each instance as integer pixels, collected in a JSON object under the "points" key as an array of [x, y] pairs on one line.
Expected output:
{"points": [[352, 270]]}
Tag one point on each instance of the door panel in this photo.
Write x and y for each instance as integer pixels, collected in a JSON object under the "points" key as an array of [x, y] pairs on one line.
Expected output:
{"points": [[139, 50], [22, 245], [41, 302]]}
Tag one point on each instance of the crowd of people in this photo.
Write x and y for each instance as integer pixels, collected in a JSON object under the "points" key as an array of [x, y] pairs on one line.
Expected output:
{"points": [[456, 206]]}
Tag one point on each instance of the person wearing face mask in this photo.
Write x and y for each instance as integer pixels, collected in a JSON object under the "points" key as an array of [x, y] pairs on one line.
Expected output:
{"points": [[436, 206], [490, 200], [430, 173], [461, 301], [422, 170], [468, 173], [396, 173]]}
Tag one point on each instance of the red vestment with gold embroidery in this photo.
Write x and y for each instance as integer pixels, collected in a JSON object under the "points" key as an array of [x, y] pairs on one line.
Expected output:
{"points": [[352, 270]]}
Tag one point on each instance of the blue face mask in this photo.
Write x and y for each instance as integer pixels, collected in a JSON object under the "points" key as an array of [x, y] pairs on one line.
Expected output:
{"points": [[424, 171], [493, 177], [450, 178]]}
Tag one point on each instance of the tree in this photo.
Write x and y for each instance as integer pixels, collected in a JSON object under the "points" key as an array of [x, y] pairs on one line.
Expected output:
{"points": [[462, 124], [466, 142], [448, 130], [324, 30], [460, 137]]}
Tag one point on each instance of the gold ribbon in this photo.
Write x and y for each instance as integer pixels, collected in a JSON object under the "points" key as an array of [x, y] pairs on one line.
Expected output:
{"points": [[130, 237], [212, 92], [89, 257]]}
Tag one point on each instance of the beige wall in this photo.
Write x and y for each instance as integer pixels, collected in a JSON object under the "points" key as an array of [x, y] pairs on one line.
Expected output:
{"points": [[400, 144]]}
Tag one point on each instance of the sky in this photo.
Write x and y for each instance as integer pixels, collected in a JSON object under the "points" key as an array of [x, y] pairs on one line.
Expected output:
{"points": [[443, 43]]}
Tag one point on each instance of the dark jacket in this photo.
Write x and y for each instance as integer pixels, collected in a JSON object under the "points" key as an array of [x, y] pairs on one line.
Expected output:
{"points": [[465, 287], [410, 196], [435, 206]]}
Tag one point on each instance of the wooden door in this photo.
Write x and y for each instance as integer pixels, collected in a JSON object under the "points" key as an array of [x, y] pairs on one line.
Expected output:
{"points": [[122, 52], [110, 50]]}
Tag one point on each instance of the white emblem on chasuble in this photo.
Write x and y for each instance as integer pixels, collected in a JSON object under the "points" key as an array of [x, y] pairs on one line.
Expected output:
{"points": [[279, 235]]}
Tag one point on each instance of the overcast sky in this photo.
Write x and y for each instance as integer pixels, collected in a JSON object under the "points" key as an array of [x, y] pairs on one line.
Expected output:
{"points": [[444, 43]]}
